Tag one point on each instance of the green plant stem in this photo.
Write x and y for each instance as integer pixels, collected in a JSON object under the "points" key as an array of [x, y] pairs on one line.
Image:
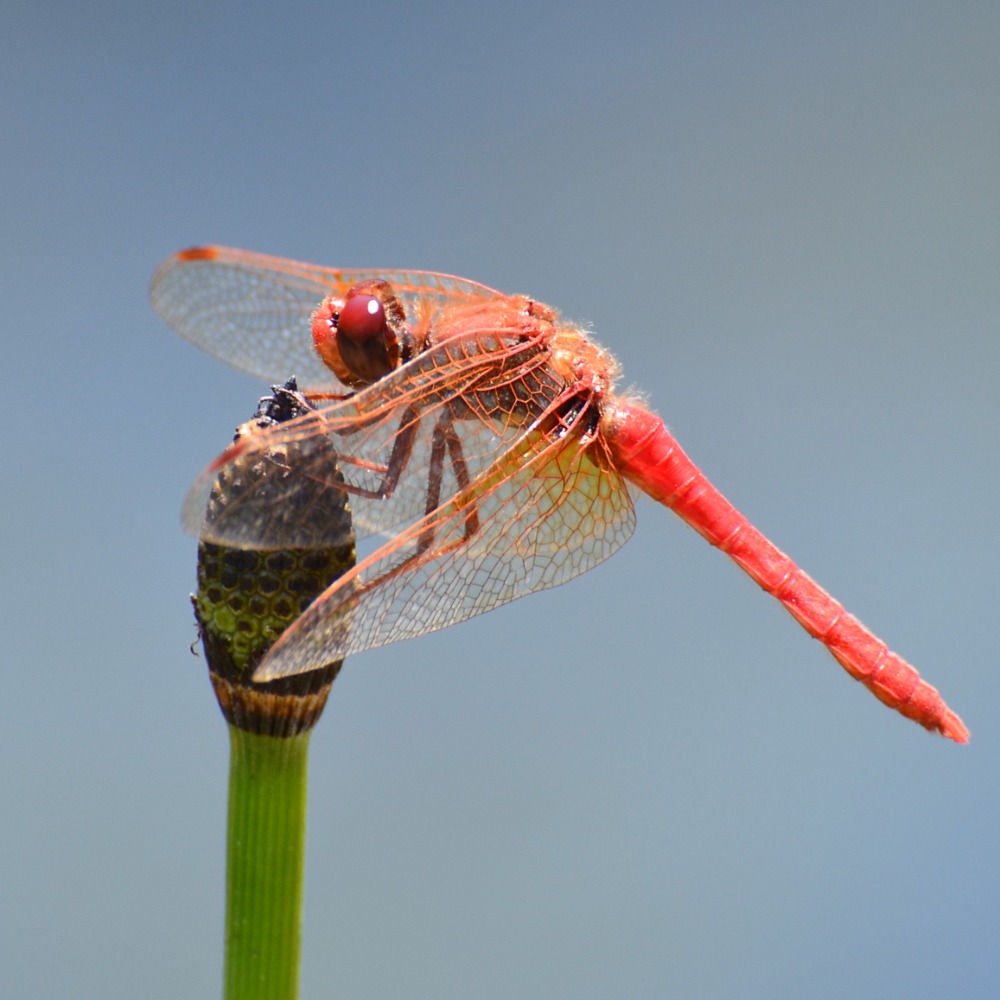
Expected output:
{"points": [[265, 865]]}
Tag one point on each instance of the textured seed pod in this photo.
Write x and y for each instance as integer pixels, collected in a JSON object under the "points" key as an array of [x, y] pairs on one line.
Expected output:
{"points": [[247, 597]]}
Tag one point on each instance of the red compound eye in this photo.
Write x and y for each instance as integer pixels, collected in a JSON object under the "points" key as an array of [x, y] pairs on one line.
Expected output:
{"points": [[355, 339], [361, 320]]}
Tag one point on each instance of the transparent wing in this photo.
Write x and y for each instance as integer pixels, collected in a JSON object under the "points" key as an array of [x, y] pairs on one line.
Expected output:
{"points": [[436, 424], [253, 311], [543, 513]]}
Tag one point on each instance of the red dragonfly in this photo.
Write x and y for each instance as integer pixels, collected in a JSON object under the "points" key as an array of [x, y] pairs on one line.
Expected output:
{"points": [[480, 434]]}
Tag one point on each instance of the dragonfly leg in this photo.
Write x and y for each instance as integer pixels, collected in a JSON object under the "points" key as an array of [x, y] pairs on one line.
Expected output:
{"points": [[446, 442], [402, 449]]}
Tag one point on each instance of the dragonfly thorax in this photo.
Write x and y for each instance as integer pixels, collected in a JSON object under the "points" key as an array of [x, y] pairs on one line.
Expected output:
{"points": [[581, 362]]}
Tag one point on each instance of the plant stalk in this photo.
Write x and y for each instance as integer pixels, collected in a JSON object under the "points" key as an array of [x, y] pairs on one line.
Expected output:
{"points": [[265, 864], [246, 598]]}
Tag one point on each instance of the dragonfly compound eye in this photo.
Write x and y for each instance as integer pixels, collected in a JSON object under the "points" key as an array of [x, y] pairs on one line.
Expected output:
{"points": [[362, 320], [367, 343], [355, 339]]}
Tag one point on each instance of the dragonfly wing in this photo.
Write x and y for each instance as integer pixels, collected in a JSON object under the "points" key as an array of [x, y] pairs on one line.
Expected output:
{"points": [[545, 512], [350, 446], [254, 311]]}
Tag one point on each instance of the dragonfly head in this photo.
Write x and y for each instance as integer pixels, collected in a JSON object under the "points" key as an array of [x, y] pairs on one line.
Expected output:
{"points": [[361, 337]]}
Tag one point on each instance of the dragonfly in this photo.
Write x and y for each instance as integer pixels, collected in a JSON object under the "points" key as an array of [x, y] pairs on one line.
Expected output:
{"points": [[482, 447]]}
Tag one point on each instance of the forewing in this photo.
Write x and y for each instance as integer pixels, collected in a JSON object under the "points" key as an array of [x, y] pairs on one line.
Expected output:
{"points": [[253, 311], [489, 387], [547, 511]]}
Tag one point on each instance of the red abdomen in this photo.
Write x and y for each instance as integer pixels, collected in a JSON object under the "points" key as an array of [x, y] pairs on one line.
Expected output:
{"points": [[648, 456]]}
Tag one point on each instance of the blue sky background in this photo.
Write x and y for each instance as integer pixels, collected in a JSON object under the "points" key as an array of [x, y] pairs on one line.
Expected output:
{"points": [[784, 219]]}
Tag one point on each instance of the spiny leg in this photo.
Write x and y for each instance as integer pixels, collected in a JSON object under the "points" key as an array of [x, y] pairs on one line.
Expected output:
{"points": [[445, 440]]}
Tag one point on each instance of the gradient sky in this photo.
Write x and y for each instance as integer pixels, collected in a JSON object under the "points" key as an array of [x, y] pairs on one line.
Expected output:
{"points": [[784, 219]]}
